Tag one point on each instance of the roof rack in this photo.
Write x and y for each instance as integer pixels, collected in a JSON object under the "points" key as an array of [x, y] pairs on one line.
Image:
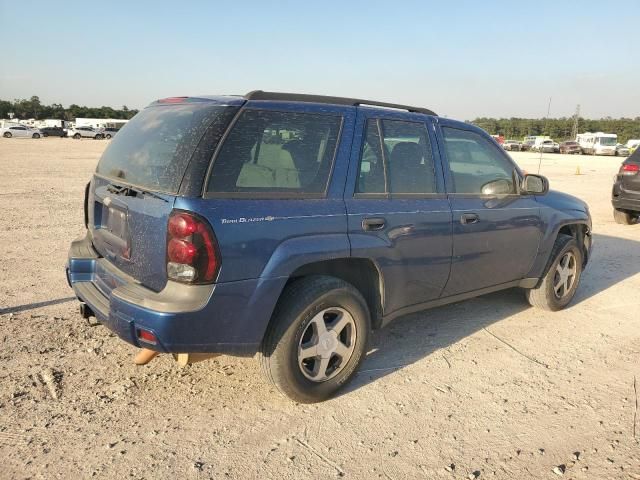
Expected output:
{"points": [[301, 97]]}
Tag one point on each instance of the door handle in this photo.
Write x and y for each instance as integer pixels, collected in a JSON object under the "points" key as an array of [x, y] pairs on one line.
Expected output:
{"points": [[469, 218], [373, 224]]}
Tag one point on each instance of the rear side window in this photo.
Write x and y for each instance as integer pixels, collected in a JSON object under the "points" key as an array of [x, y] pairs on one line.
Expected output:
{"points": [[154, 148], [396, 158], [276, 152]]}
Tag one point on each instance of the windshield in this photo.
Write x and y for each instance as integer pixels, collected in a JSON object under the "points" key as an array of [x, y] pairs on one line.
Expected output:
{"points": [[608, 141], [153, 149]]}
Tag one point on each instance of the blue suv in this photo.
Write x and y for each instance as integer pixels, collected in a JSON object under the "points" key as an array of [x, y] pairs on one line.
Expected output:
{"points": [[292, 225]]}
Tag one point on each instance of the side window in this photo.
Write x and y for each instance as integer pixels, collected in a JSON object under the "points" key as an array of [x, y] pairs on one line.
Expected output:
{"points": [[409, 157], [269, 151], [477, 167], [404, 148]]}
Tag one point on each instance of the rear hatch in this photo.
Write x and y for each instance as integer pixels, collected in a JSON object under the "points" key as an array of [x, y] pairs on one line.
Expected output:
{"points": [[138, 178]]}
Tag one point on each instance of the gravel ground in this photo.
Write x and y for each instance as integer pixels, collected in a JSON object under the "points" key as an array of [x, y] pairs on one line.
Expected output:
{"points": [[488, 388]]}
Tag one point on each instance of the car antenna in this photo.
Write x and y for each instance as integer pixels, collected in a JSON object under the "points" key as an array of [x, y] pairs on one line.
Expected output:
{"points": [[546, 124]]}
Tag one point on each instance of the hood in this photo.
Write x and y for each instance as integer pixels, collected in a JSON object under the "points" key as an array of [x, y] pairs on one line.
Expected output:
{"points": [[563, 201]]}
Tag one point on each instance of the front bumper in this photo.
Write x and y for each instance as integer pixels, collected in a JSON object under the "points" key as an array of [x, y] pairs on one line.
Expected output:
{"points": [[228, 318]]}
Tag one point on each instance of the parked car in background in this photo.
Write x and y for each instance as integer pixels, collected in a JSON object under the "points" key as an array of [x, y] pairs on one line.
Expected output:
{"points": [[512, 145], [570, 147], [315, 222], [632, 145], [622, 150], [109, 132], [527, 145], [625, 196], [84, 132], [20, 131], [546, 146], [53, 132]]}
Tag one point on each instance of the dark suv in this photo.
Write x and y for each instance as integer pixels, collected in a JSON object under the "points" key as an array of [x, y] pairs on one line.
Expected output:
{"points": [[626, 191], [292, 225]]}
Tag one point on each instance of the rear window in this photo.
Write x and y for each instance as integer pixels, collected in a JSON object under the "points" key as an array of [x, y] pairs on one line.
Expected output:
{"points": [[154, 148], [280, 153]]}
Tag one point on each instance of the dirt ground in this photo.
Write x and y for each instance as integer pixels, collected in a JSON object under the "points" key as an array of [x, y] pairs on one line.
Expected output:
{"points": [[488, 388]]}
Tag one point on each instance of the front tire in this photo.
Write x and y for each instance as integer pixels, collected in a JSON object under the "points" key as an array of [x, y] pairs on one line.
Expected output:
{"points": [[559, 285], [77, 136], [624, 218], [35, 135], [317, 338], [7, 135]]}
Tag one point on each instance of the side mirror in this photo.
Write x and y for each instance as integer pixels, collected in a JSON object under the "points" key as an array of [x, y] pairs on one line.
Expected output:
{"points": [[501, 186], [534, 185]]}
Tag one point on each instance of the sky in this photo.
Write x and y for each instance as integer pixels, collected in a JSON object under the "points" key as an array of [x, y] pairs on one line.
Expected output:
{"points": [[463, 59]]}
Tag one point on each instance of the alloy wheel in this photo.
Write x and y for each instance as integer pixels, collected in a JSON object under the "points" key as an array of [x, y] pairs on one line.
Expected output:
{"points": [[565, 275], [327, 344]]}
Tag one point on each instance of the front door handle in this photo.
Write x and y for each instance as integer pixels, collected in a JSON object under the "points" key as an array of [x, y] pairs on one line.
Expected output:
{"points": [[469, 218], [373, 224]]}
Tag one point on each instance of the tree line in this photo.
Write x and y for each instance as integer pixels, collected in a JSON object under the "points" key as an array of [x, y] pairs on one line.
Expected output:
{"points": [[517, 128], [24, 109], [559, 129]]}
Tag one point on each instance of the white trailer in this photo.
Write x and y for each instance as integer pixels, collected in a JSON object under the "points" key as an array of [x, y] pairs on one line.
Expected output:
{"points": [[53, 122], [598, 143]]}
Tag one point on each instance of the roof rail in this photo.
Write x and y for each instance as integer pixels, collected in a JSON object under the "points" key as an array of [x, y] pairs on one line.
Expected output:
{"points": [[301, 97]]}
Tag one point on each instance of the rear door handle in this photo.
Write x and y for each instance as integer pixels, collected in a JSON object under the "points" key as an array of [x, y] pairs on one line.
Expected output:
{"points": [[469, 218], [373, 224]]}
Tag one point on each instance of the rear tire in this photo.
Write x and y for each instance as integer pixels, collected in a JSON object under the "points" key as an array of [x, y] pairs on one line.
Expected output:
{"points": [[317, 338], [559, 285], [35, 135], [108, 137], [77, 136], [624, 218]]}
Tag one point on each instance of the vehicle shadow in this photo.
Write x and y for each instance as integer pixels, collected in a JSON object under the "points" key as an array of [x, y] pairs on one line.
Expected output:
{"points": [[31, 306], [411, 338], [416, 336], [613, 260]]}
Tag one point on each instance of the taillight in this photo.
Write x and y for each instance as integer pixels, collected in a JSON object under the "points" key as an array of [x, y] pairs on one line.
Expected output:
{"points": [[192, 250], [629, 169]]}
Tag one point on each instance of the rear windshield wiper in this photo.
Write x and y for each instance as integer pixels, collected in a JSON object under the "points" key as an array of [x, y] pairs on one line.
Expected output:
{"points": [[129, 191]]}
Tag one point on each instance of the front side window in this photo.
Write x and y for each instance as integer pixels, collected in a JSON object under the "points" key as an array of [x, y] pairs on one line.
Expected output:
{"points": [[477, 167], [396, 158], [276, 152]]}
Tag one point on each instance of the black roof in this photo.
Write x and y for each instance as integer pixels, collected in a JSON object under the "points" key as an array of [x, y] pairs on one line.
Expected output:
{"points": [[301, 97]]}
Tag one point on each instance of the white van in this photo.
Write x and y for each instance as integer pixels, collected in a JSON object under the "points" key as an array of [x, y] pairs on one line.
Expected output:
{"points": [[598, 143]]}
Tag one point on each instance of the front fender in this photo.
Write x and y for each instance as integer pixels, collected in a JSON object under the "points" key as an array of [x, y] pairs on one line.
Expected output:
{"points": [[554, 221]]}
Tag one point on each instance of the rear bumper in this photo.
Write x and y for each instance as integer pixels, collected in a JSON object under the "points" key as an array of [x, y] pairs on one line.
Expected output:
{"points": [[228, 318], [624, 200]]}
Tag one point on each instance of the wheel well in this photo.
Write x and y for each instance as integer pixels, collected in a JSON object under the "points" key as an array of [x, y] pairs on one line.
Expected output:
{"points": [[579, 232], [359, 272]]}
